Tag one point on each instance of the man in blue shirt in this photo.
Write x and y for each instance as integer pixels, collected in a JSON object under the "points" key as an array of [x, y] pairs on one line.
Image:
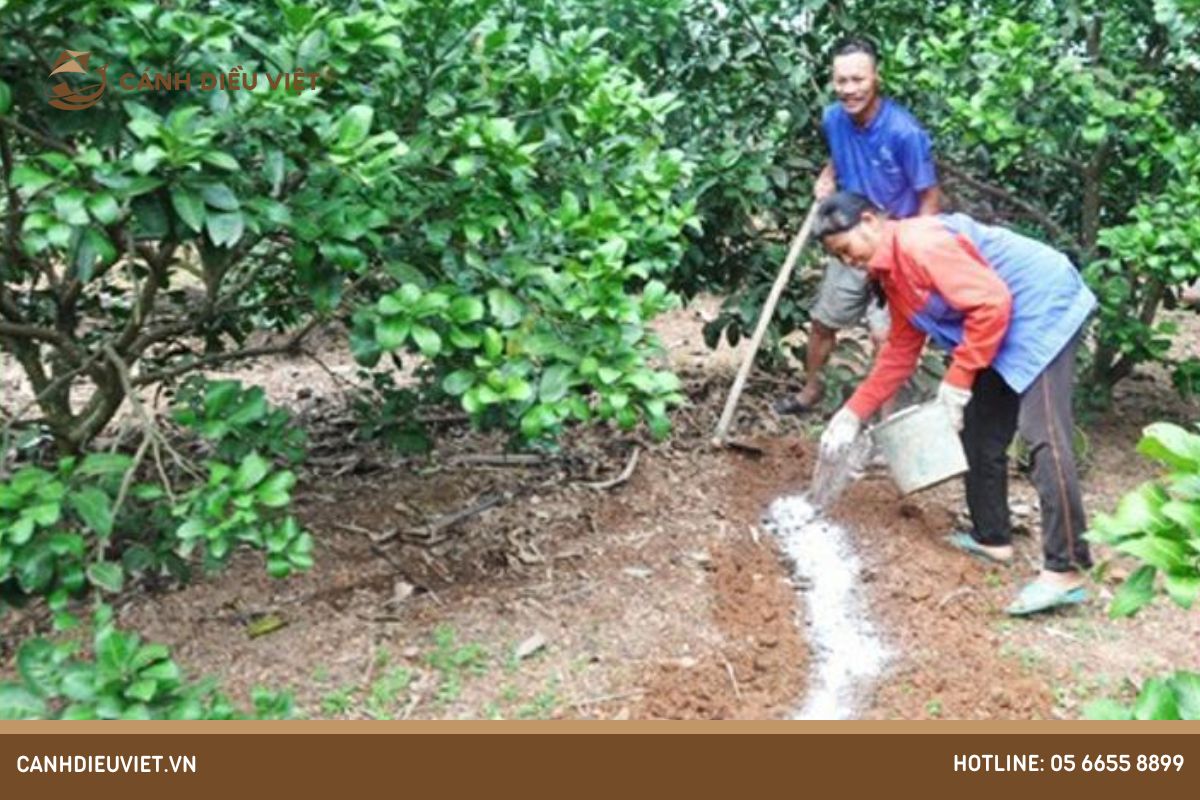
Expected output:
{"points": [[879, 150]]}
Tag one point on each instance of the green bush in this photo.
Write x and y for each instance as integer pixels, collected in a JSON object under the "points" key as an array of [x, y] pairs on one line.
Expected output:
{"points": [[1159, 523], [237, 420], [120, 678], [1175, 697], [91, 523]]}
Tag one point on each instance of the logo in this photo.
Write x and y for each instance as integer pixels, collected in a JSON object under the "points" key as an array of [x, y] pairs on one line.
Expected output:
{"points": [[76, 98], [70, 98]]}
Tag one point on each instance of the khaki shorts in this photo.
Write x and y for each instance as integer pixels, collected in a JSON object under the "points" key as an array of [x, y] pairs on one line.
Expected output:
{"points": [[845, 298]]}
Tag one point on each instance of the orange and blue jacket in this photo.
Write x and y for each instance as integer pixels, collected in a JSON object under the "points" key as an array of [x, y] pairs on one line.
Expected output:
{"points": [[991, 296]]}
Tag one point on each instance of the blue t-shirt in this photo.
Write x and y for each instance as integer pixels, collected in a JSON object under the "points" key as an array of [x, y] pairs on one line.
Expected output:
{"points": [[890, 161]]}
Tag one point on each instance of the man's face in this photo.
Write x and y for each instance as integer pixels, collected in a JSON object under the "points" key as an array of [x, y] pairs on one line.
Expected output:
{"points": [[855, 81], [856, 247]]}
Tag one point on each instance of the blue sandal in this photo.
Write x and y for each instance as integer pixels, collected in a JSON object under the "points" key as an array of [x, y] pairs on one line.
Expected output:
{"points": [[967, 544], [1037, 597]]}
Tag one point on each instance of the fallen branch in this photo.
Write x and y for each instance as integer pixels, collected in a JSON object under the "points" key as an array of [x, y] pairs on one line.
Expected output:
{"points": [[957, 593], [606, 698], [737, 690], [625, 475], [450, 520], [500, 459]]}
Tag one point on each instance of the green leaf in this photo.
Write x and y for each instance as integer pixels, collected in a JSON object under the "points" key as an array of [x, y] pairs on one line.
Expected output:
{"points": [[44, 514], [94, 508], [427, 340], [365, 349], [226, 229], [78, 684], [464, 166], [221, 160], [142, 690], [219, 196], [104, 464], [608, 375], [539, 62], [518, 390], [1183, 588], [390, 305], [506, 309], [193, 528], [145, 161], [501, 130], [554, 384], [1107, 709], [1167, 555], [34, 569], [103, 208], [108, 575], [493, 343], [164, 670], [93, 246], [273, 492], [252, 469], [466, 309], [1137, 591], [392, 332], [458, 382], [35, 662], [1172, 445], [1187, 694], [70, 206], [1185, 515], [353, 127], [5, 98], [537, 420], [30, 180], [62, 544], [17, 702], [1156, 701], [189, 207]]}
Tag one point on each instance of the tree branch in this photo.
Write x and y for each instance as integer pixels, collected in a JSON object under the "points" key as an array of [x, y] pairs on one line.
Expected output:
{"points": [[291, 346], [1033, 212], [45, 141]]}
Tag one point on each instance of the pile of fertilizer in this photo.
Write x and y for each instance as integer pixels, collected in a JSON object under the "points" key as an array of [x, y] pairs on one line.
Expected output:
{"points": [[847, 653]]}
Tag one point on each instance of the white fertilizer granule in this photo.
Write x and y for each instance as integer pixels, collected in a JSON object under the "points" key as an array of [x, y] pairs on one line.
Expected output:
{"points": [[848, 654]]}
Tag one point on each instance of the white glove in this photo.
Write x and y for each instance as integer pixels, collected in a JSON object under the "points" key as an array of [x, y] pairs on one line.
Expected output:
{"points": [[840, 434], [955, 400]]}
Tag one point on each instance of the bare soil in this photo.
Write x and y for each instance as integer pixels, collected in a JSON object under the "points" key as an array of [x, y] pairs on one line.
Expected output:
{"points": [[657, 597]]}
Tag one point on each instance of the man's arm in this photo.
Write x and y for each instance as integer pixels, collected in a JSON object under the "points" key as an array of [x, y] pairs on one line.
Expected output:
{"points": [[916, 159], [826, 182], [930, 201]]}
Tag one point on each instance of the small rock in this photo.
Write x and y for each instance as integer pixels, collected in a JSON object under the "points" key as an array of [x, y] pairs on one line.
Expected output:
{"points": [[530, 646], [412, 651], [401, 591], [919, 593], [638, 572], [623, 714], [687, 662]]}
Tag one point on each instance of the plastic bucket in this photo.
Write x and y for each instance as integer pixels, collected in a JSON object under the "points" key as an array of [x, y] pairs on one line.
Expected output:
{"points": [[921, 447]]}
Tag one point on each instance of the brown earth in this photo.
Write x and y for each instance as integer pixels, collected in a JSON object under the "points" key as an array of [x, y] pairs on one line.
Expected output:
{"points": [[657, 597]]}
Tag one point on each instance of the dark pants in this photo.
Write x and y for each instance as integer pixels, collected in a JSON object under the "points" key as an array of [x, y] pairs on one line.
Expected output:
{"points": [[1044, 417]]}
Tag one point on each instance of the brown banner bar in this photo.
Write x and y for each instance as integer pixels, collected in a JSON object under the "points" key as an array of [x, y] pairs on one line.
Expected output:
{"points": [[263, 760]]}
